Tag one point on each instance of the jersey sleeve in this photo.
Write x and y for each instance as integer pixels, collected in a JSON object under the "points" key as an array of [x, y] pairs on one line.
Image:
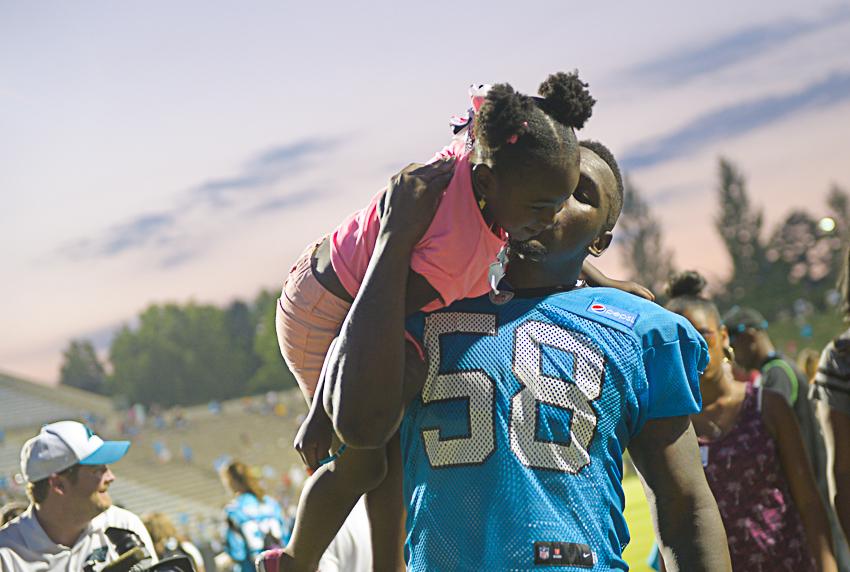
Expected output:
{"points": [[672, 370]]}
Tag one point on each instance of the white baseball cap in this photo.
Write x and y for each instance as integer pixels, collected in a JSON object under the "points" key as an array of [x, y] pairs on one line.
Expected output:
{"points": [[62, 445]]}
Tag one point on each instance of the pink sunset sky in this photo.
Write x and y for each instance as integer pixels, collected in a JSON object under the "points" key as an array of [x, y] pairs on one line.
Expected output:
{"points": [[163, 151]]}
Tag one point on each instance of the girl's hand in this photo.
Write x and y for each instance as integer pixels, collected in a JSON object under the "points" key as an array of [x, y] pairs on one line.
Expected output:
{"points": [[313, 440], [631, 288], [594, 277], [412, 198]]}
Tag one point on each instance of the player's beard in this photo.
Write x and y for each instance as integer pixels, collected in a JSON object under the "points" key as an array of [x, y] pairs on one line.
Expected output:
{"points": [[531, 249]]}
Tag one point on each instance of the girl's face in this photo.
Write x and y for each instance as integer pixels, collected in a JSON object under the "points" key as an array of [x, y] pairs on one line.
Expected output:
{"points": [[715, 335], [580, 224], [525, 204]]}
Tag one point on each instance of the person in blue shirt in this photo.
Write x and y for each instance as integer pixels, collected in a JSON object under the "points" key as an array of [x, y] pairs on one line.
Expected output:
{"points": [[512, 452], [254, 520]]}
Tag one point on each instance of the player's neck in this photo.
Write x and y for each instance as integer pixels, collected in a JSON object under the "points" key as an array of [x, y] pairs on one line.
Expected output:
{"points": [[524, 274]]}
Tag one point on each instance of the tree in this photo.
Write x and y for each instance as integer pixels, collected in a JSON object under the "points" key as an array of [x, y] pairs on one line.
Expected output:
{"points": [[272, 373], [801, 266], [178, 356], [838, 202], [241, 324], [740, 227], [81, 367], [647, 261]]}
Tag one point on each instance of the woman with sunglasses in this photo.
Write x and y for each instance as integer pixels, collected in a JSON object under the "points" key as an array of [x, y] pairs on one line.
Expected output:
{"points": [[753, 455]]}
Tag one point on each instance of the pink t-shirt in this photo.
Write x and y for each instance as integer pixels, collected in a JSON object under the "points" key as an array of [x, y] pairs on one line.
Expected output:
{"points": [[454, 255]]}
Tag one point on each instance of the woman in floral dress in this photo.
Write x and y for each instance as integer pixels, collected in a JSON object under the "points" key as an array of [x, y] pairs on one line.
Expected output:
{"points": [[754, 457]]}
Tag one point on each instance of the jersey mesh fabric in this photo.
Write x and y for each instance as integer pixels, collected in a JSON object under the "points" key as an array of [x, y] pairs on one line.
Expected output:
{"points": [[519, 433]]}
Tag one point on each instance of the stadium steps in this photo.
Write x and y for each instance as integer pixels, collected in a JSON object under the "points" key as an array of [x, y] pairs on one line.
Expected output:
{"points": [[24, 404]]}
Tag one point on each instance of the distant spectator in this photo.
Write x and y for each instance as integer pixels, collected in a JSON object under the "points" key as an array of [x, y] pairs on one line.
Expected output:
{"points": [[754, 350], [807, 362], [161, 451], [254, 520], [11, 511], [167, 542], [64, 528], [180, 421], [832, 389]]}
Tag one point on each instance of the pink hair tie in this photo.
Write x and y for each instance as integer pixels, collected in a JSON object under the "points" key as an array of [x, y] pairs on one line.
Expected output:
{"points": [[515, 137]]}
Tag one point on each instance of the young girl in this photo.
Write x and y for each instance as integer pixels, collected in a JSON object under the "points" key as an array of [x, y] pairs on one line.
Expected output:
{"points": [[754, 456], [509, 178]]}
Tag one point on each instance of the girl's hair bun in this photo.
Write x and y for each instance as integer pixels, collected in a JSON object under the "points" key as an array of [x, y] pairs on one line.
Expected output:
{"points": [[503, 114], [687, 283], [567, 99]]}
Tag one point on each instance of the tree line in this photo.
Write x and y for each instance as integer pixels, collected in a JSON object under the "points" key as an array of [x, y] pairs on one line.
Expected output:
{"points": [[783, 271], [184, 354]]}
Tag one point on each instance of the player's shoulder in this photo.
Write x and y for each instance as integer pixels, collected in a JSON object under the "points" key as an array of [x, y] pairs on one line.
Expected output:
{"points": [[632, 315]]}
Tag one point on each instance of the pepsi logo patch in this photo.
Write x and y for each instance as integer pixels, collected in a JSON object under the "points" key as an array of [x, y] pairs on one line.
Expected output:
{"points": [[613, 313]]}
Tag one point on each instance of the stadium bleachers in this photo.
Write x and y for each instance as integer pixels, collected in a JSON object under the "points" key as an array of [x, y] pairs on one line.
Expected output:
{"points": [[24, 404]]}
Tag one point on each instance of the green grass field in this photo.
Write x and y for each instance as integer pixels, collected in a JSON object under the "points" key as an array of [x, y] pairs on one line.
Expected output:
{"points": [[640, 526]]}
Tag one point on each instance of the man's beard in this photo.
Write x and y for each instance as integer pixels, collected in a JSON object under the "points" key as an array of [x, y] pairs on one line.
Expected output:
{"points": [[531, 249]]}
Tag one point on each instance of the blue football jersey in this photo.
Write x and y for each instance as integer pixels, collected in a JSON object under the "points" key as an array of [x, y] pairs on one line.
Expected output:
{"points": [[253, 526], [513, 452]]}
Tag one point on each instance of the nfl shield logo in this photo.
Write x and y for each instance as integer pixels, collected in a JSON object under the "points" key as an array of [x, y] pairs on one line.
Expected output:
{"points": [[543, 552]]}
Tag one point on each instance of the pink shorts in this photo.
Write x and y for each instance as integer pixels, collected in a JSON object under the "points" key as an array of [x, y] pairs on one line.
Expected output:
{"points": [[307, 320]]}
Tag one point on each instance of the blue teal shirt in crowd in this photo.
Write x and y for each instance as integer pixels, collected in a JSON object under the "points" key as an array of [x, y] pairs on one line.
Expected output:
{"points": [[250, 522]]}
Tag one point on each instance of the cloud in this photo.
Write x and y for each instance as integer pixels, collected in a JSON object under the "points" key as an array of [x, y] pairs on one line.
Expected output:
{"points": [[265, 169], [139, 231], [682, 65], [678, 193], [157, 230], [178, 258], [289, 201], [735, 120]]}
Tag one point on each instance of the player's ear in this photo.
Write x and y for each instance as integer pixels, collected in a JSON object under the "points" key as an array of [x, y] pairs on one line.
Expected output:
{"points": [[601, 243]]}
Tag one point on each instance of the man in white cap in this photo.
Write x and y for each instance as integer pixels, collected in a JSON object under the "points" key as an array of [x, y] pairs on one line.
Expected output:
{"points": [[64, 528]]}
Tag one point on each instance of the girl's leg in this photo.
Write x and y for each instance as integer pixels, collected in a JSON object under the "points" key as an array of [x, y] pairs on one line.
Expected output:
{"points": [[327, 499], [385, 506]]}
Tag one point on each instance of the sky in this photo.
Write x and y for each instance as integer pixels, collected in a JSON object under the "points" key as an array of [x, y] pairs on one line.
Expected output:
{"points": [[161, 151]]}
